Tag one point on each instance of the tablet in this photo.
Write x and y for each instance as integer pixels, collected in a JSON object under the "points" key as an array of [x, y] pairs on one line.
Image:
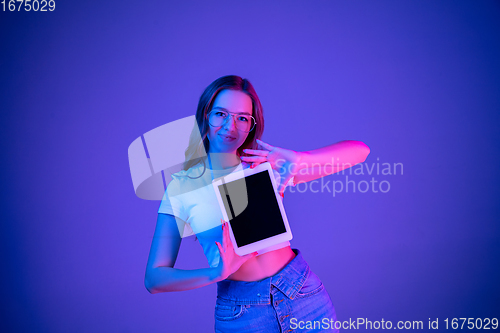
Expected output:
{"points": [[249, 200]]}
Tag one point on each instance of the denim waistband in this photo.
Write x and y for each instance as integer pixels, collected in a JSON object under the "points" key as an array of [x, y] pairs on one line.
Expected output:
{"points": [[289, 281]]}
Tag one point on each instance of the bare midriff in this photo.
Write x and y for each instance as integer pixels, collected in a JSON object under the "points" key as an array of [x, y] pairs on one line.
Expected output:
{"points": [[264, 265]]}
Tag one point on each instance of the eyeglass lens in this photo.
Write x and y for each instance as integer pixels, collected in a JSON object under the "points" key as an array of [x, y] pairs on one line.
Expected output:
{"points": [[243, 122]]}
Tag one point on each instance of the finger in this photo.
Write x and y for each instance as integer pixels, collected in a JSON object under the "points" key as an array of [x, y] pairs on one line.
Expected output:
{"points": [[250, 256], [228, 244], [221, 250], [264, 145], [256, 152], [224, 230], [254, 158], [281, 190], [254, 165]]}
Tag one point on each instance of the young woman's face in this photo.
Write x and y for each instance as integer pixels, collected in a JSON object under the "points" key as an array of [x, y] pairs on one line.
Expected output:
{"points": [[227, 138]]}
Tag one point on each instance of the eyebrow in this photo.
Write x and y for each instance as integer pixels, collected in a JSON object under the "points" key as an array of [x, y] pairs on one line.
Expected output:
{"points": [[224, 109]]}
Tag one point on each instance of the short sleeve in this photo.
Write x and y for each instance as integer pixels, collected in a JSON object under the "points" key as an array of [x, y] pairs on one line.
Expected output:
{"points": [[170, 203], [169, 206]]}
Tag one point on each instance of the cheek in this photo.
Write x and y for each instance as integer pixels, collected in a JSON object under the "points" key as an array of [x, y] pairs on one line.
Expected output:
{"points": [[243, 139], [211, 133]]}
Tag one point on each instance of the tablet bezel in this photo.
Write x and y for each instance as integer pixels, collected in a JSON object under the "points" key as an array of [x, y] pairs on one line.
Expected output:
{"points": [[264, 243]]}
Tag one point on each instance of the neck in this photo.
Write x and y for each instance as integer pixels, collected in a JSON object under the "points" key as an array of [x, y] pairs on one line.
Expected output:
{"points": [[222, 161]]}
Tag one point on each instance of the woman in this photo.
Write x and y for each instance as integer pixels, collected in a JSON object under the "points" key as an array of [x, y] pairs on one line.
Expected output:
{"points": [[272, 290]]}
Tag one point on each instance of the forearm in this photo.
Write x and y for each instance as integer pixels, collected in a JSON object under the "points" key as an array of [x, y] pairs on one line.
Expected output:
{"points": [[306, 175], [331, 159], [348, 152], [165, 279]]}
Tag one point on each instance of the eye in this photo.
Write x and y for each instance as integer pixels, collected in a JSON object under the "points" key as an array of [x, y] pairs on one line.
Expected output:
{"points": [[220, 114], [243, 119]]}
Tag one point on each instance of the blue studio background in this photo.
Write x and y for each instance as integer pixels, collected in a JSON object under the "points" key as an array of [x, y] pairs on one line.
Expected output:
{"points": [[417, 81]]}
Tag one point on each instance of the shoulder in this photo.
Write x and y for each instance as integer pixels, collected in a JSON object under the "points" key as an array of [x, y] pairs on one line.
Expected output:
{"points": [[191, 173], [184, 181]]}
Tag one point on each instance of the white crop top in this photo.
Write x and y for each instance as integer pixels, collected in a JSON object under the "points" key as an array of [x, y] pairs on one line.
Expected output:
{"points": [[194, 205]]}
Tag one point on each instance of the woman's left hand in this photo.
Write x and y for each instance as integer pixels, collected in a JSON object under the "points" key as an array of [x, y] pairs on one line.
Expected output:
{"points": [[285, 161]]}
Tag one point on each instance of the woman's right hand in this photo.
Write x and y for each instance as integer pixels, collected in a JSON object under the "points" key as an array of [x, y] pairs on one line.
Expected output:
{"points": [[229, 261]]}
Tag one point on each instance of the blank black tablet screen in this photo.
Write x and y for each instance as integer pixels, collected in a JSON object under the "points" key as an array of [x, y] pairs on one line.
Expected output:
{"points": [[261, 218]]}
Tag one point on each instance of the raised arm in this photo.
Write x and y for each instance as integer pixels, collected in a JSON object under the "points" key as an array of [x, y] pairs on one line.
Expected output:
{"points": [[308, 165], [161, 276], [330, 159]]}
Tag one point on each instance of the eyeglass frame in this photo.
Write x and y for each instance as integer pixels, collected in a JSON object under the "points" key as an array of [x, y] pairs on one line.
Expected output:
{"points": [[232, 114]]}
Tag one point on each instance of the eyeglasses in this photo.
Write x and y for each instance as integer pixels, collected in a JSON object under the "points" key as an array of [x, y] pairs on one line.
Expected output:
{"points": [[243, 122]]}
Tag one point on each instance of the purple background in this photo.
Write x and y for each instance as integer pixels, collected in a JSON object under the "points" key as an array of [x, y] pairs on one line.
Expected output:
{"points": [[417, 81]]}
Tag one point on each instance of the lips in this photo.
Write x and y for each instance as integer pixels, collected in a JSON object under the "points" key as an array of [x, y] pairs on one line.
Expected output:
{"points": [[227, 137]]}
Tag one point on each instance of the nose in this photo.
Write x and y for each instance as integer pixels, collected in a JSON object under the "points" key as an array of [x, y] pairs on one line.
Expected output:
{"points": [[230, 122]]}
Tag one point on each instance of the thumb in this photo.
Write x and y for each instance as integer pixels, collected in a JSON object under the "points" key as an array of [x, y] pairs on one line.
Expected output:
{"points": [[282, 186], [281, 190], [251, 255]]}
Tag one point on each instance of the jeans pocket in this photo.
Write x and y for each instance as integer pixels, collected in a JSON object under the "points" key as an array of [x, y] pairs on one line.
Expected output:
{"points": [[227, 310], [312, 286]]}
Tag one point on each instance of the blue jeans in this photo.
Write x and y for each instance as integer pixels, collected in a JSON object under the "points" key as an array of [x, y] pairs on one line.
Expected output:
{"points": [[292, 300]]}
